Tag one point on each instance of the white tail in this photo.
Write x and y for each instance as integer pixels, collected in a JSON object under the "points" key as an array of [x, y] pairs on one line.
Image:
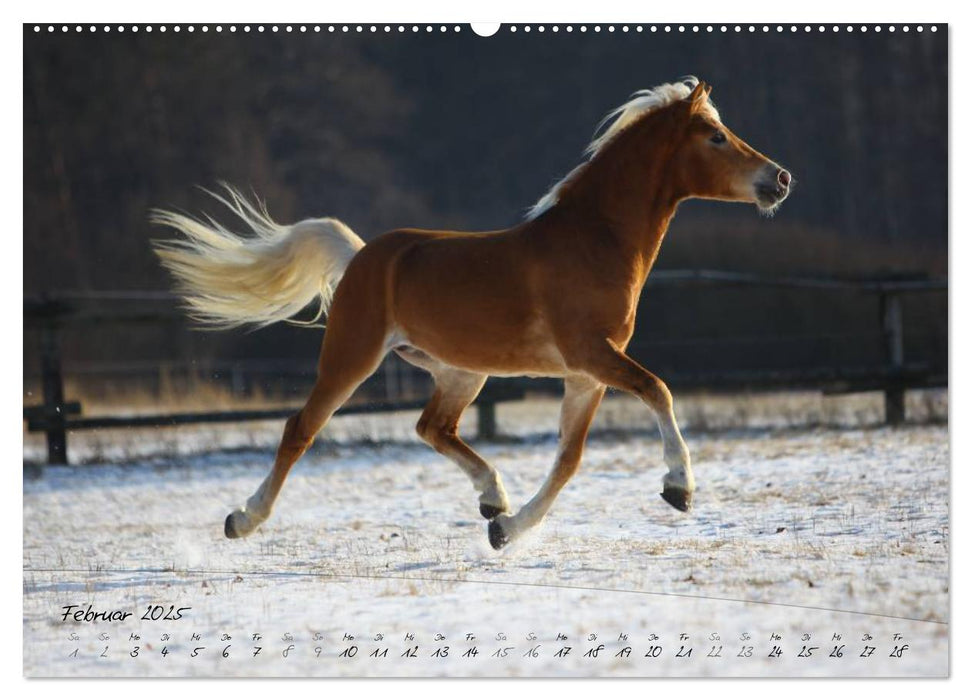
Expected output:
{"points": [[228, 280]]}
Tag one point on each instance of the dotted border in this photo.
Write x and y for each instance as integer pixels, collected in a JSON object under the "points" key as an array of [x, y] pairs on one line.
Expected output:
{"points": [[509, 28]]}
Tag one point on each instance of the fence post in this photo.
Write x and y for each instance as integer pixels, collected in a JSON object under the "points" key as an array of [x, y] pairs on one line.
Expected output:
{"points": [[893, 329], [487, 420], [236, 380], [53, 380]]}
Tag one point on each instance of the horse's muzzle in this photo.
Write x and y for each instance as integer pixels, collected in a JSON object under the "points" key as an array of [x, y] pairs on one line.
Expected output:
{"points": [[770, 191]]}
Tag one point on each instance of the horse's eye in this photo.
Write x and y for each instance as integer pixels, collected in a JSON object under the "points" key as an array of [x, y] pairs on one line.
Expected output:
{"points": [[718, 137]]}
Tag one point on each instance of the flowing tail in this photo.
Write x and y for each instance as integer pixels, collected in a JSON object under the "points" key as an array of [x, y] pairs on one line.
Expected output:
{"points": [[228, 280]]}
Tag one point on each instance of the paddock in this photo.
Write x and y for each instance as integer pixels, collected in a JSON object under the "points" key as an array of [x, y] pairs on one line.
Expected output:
{"points": [[817, 531]]}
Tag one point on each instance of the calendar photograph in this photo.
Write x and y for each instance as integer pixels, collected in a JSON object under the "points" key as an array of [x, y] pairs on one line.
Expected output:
{"points": [[516, 350]]}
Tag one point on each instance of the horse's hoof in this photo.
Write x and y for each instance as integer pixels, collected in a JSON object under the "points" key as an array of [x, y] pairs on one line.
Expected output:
{"points": [[488, 511], [497, 536], [230, 529], [677, 498]]}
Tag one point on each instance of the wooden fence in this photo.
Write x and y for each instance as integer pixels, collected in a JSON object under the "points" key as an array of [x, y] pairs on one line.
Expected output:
{"points": [[56, 416]]}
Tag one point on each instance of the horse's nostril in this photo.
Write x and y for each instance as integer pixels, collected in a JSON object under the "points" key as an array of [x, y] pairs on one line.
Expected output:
{"points": [[784, 178]]}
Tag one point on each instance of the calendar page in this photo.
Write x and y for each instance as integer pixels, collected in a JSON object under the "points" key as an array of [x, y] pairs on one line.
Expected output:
{"points": [[450, 350]]}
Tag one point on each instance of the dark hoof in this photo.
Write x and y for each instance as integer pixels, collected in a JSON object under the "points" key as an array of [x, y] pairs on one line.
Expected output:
{"points": [[677, 498], [489, 512], [497, 538], [229, 529]]}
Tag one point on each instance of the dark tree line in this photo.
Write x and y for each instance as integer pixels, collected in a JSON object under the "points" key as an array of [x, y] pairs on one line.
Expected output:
{"points": [[452, 130]]}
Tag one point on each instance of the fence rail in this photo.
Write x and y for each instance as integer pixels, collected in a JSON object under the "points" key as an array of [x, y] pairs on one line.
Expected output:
{"points": [[57, 416]]}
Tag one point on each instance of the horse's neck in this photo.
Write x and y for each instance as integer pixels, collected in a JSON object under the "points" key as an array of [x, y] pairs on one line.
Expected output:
{"points": [[651, 237], [630, 190]]}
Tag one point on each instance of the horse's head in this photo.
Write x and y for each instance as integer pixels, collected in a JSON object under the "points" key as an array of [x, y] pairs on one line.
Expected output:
{"points": [[711, 162]]}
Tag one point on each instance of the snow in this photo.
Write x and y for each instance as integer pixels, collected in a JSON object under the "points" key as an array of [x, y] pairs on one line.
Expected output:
{"points": [[819, 531]]}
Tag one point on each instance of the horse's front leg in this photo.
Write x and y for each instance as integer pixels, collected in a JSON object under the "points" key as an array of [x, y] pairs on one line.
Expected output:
{"points": [[581, 397], [615, 368]]}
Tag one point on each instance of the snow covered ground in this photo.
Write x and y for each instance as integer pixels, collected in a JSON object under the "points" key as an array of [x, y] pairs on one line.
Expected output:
{"points": [[816, 532]]}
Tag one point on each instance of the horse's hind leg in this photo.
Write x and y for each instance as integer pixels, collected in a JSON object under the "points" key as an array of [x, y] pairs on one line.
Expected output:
{"points": [[581, 398], [455, 389], [350, 354]]}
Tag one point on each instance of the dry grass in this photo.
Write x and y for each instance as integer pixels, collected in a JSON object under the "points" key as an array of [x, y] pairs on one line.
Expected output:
{"points": [[697, 412], [172, 394], [705, 412]]}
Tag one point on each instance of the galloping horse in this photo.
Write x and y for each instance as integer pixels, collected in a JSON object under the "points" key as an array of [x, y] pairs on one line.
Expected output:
{"points": [[554, 296]]}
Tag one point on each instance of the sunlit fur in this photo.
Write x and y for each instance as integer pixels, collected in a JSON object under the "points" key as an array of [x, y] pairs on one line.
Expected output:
{"points": [[555, 296], [641, 103]]}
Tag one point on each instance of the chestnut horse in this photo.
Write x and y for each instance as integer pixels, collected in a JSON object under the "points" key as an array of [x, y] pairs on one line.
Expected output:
{"points": [[554, 296]]}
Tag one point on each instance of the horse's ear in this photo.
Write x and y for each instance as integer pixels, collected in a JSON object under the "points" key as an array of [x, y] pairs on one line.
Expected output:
{"points": [[700, 92], [699, 96]]}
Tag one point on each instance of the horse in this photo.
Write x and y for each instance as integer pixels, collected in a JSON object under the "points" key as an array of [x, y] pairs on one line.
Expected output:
{"points": [[554, 296]]}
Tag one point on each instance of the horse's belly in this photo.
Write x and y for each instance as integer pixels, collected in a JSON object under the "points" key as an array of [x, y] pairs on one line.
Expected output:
{"points": [[469, 303], [529, 352]]}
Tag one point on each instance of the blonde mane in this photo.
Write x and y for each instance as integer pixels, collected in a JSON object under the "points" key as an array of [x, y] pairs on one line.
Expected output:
{"points": [[641, 103]]}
